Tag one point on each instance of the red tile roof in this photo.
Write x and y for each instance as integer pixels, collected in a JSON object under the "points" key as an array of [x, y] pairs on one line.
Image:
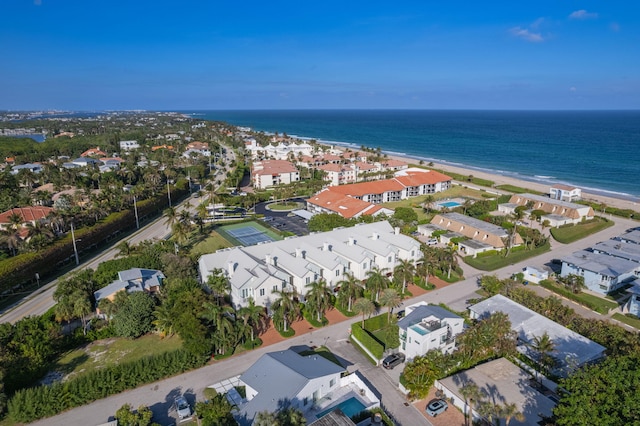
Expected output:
{"points": [[429, 177], [28, 214], [93, 152], [271, 167], [365, 188], [344, 205]]}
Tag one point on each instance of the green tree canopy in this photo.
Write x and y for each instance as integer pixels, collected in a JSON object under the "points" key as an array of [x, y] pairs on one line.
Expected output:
{"points": [[135, 317], [605, 394]]}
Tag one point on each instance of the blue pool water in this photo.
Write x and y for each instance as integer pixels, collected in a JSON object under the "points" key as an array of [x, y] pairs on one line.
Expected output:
{"points": [[349, 407], [449, 204]]}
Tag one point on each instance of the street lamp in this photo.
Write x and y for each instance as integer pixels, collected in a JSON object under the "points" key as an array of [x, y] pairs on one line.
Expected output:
{"points": [[135, 209]]}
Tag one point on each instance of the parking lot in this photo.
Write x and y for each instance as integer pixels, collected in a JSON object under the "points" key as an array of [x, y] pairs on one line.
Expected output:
{"points": [[294, 224]]}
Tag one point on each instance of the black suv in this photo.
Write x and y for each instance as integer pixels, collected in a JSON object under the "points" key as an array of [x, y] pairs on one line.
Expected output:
{"points": [[393, 360]]}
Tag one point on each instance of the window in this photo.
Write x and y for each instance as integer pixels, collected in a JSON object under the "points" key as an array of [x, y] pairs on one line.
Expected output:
{"points": [[337, 272], [390, 259], [308, 280], [413, 253], [262, 292], [364, 265], [245, 293], [305, 401], [332, 383], [275, 288]]}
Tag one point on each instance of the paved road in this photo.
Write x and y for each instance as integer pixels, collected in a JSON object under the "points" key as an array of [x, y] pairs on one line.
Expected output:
{"points": [[40, 301], [159, 396]]}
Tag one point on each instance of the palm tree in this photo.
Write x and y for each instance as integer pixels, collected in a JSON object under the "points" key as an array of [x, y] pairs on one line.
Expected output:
{"points": [[180, 231], [164, 322], [220, 318], [124, 248], [318, 298], [11, 239], [377, 281], [428, 203], [405, 270], [172, 215], [219, 284], [391, 299], [543, 346], [510, 411], [350, 288], [285, 308], [449, 258], [253, 316], [15, 221], [365, 307], [471, 393]]}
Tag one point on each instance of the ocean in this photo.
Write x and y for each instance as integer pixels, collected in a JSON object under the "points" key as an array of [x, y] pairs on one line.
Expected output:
{"points": [[593, 150]]}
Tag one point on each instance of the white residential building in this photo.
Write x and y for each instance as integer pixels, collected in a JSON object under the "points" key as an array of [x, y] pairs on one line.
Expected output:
{"points": [[257, 271], [565, 193], [267, 173], [426, 327], [129, 145]]}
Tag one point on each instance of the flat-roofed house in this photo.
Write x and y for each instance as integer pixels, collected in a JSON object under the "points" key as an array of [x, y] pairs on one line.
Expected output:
{"points": [[602, 273], [267, 173], [129, 145], [499, 380], [258, 271], [565, 193], [426, 327], [571, 350], [558, 212], [482, 235]]}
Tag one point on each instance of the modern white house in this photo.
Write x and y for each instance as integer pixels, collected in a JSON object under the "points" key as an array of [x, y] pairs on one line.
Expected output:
{"points": [[571, 350], [565, 193], [293, 263], [309, 383], [426, 327]]}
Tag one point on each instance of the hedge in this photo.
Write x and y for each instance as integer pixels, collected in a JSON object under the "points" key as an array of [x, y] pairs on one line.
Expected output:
{"points": [[31, 404], [22, 268], [377, 322], [364, 337]]}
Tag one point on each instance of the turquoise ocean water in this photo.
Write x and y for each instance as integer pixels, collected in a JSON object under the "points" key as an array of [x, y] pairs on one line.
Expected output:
{"points": [[597, 151]]}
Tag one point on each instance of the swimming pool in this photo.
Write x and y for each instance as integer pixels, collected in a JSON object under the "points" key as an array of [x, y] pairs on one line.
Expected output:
{"points": [[450, 204], [349, 407]]}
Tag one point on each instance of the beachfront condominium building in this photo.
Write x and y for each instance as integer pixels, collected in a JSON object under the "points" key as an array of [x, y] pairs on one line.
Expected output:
{"points": [[558, 212], [257, 272], [268, 173], [328, 201]]}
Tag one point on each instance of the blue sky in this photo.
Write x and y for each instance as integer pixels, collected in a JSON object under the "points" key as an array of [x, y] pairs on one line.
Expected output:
{"points": [[171, 55]]}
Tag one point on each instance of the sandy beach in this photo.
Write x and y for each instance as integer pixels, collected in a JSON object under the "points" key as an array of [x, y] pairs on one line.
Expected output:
{"points": [[506, 180]]}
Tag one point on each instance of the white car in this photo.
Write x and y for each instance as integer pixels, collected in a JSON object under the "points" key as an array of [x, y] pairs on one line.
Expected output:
{"points": [[183, 408], [432, 242]]}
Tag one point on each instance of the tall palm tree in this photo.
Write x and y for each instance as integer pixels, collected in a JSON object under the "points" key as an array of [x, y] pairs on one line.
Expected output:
{"points": [[471, 393], [220, 317], [364, 307], [377, 281], [253, 316], [350, 289], [285, 308], [428, 203], [164, 320], [543, 346], [405, 271], [172, 216], [318, 298], [11, 239], [391, 299], [509, 412]]}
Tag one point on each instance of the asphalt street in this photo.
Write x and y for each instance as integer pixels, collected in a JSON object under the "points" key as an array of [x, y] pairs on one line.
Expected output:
{"points": [[159, 395]]}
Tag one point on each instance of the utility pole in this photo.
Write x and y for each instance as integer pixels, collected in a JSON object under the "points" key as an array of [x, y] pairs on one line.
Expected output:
{"points": [[75, 249]]}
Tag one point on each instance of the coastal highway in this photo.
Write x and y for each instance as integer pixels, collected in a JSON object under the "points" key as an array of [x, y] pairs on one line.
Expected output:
{"points": [[42, 300]]}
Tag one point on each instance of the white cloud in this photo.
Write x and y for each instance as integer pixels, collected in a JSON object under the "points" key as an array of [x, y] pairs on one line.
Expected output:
{"points": [[583, 14], [527, 35]]}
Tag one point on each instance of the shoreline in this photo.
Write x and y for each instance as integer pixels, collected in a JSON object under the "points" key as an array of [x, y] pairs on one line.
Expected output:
{"points": [[622, 201]]}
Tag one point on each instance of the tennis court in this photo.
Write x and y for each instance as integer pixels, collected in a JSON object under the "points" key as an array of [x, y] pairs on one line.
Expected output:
{"points": [[247, 234]]}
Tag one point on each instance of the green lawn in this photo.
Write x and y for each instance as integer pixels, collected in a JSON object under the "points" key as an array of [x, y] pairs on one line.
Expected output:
{"points": [[388, 336], [210, 244], [569, 234], [496, 261], [112, 351], [284, 206], [517, 189], [595, 303], [633, 322]]}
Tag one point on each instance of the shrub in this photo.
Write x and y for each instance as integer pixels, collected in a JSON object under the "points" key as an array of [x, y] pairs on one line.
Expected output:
{"points": [[370, 342]]}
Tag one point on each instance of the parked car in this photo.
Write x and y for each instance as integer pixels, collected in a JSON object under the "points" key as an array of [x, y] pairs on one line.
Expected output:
{"points": [[182, 407], [432, 242], [437, 406], [393, 360], [400, 314]]}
